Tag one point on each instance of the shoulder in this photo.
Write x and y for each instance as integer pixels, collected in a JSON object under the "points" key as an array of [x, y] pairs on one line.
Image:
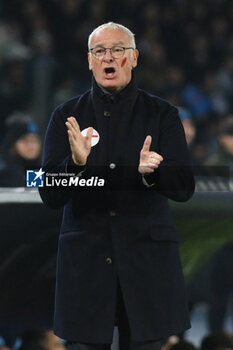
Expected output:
{"points": [[156, 102], [67, 109], [159, 109], [72, 104]]}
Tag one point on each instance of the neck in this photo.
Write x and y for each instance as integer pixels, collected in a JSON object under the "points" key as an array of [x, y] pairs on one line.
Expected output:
{"points": [[115, 96], [110, 91]]}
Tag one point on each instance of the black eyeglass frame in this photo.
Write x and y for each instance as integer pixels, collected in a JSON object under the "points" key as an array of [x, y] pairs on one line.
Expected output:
{"points": [[110, 49]]}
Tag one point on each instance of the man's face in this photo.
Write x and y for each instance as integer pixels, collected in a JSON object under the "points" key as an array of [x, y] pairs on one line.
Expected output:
{"points": [[112, 73]]}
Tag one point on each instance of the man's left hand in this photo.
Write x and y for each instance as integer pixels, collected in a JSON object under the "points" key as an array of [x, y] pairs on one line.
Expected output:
{"points": [[149, 161]]}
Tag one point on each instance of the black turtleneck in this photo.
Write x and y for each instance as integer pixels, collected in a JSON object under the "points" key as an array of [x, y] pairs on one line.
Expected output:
{"points": [[115, 96]]}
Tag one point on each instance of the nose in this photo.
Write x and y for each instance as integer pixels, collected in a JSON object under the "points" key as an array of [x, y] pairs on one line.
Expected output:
{"points": [[108, 56]]}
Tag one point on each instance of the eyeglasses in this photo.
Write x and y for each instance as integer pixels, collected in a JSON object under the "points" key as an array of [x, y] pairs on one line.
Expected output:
{"points": [[115, 51]]}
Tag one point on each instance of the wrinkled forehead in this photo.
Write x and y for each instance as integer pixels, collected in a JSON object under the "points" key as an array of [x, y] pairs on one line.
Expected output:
{"points": [[108, 37]]}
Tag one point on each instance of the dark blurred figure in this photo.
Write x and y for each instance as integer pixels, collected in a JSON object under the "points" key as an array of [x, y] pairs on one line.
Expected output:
{"points": [[198, 150], [41, 340], [15, 89], [183, 345], [188, 124], [167, 343], [224, 154], [4, 348], [217, 341], [20, 150], [225, 78]]}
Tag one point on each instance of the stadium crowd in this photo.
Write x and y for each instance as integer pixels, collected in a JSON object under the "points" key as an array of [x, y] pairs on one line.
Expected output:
{"points": [[186, 56], [44, 339]]}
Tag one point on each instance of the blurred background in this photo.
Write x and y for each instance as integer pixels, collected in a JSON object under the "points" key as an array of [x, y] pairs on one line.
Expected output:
{"points": [[186, 57]]}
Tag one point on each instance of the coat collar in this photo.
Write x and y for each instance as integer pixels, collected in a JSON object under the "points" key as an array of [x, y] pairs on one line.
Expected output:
{"points": [[127, 93]]}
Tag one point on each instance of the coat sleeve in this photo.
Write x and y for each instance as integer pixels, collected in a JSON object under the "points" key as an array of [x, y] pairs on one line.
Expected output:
{"points": [[56, 159], [174, 178]]}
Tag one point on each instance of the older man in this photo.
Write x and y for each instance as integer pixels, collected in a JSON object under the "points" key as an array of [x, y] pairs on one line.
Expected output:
{"points": [[118, 258]]}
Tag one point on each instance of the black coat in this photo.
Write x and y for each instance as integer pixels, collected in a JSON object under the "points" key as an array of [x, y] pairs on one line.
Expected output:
{"points": [[126, 233]]}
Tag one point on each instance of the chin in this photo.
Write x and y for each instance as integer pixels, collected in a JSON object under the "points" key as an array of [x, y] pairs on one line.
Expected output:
{"points": [[111, 86]]}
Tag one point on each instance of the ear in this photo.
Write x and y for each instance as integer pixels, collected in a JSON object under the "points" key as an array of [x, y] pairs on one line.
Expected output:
{"points": [[135, 58], [89, 57]]}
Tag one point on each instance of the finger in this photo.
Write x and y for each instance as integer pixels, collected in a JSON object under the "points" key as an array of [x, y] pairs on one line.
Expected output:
{"points": [[70, 137], [73, 128], [70, 130], [69, 126], [89, 134], [147, 143], [157, 160], [153, 165], [150, 164], [74, 123], [154, 161], [146, 170], [156, 156]]}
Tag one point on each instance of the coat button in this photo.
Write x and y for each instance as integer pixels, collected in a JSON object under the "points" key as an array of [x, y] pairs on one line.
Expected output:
{"points": [[109, 261], [112, 213], [106, 113], [112, 166]]}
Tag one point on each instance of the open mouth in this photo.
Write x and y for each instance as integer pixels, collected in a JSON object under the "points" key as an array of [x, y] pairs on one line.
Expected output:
{"points": [[109, 70]]}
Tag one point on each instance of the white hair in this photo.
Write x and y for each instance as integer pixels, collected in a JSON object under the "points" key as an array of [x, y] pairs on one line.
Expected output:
{"points": [[113, 25]]}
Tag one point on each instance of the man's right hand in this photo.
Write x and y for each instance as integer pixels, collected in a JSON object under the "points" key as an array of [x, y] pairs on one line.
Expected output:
{"points": [[80, 145]]}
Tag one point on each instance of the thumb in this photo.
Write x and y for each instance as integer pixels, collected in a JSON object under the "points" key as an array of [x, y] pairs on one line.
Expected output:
{"points": [[147, 143]]}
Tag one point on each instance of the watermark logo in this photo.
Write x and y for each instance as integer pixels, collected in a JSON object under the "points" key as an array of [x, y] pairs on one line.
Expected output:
{"points": [[38, 178], [35, 178]]}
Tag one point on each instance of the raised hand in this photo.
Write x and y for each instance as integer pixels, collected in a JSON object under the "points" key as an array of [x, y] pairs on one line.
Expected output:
{"points": [[149, 161], [80, 145]]}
